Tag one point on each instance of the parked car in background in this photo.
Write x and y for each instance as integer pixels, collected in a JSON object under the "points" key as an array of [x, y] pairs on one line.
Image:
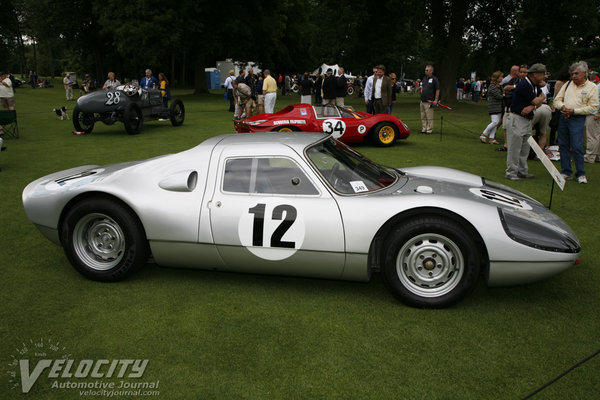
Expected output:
{"points": [[129, 104], [343, 123]]}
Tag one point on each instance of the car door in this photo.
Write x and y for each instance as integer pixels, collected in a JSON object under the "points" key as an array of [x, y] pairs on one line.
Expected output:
{"points": [[340, 124], [270, 214]]}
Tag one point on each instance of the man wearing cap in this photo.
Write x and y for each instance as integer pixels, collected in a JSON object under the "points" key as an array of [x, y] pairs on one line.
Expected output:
{"points": [[229, 87], [576, 99], [7, 95], [269, 91], [526, 97]]}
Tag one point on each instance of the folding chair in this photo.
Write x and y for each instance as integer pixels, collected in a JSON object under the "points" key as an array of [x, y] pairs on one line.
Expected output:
{"points": [[8, 121]]}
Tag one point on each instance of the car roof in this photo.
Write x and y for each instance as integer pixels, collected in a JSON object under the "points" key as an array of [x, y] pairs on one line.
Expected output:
{"points": [[296, 140]]}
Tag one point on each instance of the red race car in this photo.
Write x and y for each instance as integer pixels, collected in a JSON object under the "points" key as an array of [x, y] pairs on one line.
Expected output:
{"points": [[343, 123]]}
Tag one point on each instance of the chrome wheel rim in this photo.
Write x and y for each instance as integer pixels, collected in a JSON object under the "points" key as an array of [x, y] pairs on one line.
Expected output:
{"points": [[99, 241], [430, 265]]}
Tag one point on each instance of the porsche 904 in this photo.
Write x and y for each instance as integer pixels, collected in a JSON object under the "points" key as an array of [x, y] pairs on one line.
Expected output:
{"points": [[301, 204]]}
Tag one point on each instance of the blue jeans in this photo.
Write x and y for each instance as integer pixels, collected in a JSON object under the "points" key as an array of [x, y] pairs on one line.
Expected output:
{"points": [[570, 140], [389, 109]]}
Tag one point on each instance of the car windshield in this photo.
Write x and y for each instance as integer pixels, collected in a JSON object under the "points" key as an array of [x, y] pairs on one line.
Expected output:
{"points": [[347, 171]]}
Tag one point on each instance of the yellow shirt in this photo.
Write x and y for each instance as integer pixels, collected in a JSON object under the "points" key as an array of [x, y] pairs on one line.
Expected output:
{"points": [[163, 88], [269, 85], [583, 99]]}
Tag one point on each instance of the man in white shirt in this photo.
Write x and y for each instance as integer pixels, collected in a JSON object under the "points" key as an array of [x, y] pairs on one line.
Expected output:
{"points": [[368, 93]]}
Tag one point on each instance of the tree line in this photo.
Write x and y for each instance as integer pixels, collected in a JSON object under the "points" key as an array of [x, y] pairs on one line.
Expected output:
{"points": [[181, 38]]}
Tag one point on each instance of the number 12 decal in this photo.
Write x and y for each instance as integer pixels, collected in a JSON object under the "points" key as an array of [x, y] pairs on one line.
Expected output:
{"points": [[285, 213]]}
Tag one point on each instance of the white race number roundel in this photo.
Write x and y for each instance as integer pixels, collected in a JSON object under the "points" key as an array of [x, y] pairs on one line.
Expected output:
{"points": [[362, 129], [272, 229], [334, 127]]}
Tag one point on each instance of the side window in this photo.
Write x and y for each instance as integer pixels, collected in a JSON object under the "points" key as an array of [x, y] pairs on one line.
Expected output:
{"points": [[237, 175], [266, 175]]}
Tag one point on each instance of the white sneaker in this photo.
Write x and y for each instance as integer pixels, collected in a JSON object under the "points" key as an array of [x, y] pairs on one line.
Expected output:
{"points": [[582, 179], [567, 177]]}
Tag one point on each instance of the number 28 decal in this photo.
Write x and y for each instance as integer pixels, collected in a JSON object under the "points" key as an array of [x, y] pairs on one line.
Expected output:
{"points": [[112, 98], [272, 230]]}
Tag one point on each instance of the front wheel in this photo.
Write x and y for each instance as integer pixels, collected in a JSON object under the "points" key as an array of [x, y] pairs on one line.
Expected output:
{"points": [[384, 134], [104, 240], [82, 121], [133, 119], [430, 262], [176, 112], [350, 90]]}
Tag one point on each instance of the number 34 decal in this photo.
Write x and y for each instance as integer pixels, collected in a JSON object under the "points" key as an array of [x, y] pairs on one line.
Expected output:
{"points": [[334, 127], [272, 230]]}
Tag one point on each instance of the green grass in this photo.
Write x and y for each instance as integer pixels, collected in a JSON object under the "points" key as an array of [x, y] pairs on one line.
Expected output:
{"points": [[211, 335]]}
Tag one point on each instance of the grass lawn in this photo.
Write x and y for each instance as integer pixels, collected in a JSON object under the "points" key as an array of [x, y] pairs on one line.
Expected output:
{"points": [[209, 335]]}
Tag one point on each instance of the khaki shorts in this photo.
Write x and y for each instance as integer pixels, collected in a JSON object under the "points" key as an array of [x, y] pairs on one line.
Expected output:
{"points": [[260, 99], [7, 102]]}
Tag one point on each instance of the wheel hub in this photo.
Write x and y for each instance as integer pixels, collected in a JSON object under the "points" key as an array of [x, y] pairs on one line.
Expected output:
{"points": [[99, 241], [430, 265]]}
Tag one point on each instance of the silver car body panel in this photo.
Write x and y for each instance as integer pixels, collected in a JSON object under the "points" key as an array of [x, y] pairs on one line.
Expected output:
{"points": [[191, 221]]}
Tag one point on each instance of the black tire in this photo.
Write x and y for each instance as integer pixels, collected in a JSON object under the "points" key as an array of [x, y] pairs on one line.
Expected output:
{"points": [[82, 121], [133, 118], [430, 262], [176, 112], [384, 134], [104, 240]]}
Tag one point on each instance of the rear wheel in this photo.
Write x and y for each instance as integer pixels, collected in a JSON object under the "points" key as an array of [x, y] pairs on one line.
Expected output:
{"points": [[104, 240], [430, 262], [82, 121], [133, 119], [176, 112], [286, 129], [384, 134]]}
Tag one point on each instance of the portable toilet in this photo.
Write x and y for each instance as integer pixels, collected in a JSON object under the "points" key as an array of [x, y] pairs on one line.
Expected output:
{"points": [[213, 78]]}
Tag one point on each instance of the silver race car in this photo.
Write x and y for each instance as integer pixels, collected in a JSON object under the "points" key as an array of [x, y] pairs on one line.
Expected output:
{"points": [[305, 205]]}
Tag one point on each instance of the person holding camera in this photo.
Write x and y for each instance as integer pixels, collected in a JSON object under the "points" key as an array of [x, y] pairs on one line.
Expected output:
{"points": [[526, 97]]}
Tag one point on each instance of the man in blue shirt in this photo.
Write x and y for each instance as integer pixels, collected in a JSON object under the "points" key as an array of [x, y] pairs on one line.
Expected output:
{"points": [[526, 97], [148, 81]]}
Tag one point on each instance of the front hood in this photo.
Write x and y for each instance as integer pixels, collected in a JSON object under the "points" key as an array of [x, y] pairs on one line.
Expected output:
{"points": [[102, 101], [442, 174]]}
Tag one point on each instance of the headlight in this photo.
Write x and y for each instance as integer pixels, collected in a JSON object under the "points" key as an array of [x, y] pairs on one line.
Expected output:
{"points": [[532, 230]]}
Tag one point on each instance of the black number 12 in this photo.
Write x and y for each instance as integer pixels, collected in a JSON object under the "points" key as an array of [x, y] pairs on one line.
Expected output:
{"points": [[278, 214]]}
